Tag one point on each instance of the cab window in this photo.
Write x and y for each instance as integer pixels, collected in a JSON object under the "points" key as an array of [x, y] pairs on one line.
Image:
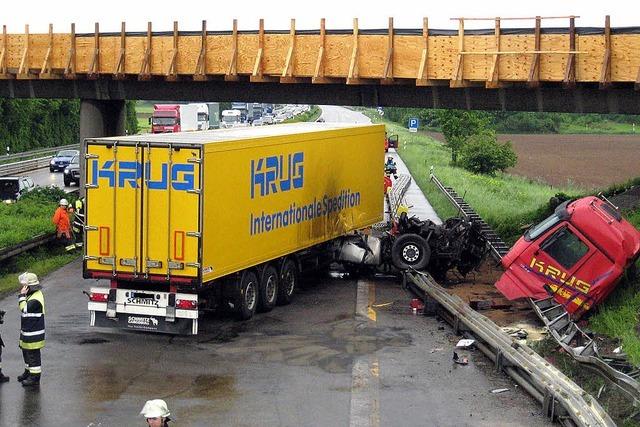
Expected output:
{"points": [[565, 247]]}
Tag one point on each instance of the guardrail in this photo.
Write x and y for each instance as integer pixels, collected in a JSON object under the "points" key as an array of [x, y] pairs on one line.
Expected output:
{"points": [[29, 160], [40, 152], [39, 240], [562, 400], [18, 168]]}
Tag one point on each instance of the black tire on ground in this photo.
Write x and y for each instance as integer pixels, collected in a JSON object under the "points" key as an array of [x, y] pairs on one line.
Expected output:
{"points": [[268, 290], [248, 295], [288, 281], [67, 182], [410, 251], [51, 169]]}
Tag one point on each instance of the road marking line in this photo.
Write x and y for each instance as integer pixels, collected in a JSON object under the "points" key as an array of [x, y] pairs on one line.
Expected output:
{"points": [[365, 375]]}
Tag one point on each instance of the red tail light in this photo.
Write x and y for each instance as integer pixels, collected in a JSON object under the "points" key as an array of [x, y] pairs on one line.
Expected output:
{"points": [[98, 297], [185, 304]]}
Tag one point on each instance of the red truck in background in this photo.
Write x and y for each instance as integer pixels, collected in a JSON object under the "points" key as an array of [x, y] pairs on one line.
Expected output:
{"points": [[577, 255], [170, 118]]}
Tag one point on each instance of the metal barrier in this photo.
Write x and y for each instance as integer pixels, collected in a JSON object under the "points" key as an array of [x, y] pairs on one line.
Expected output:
{"points": [[30, 160], [562, 400]]}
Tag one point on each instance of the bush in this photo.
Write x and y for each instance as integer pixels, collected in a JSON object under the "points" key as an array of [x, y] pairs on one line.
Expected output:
{"points": [[484, 154]]}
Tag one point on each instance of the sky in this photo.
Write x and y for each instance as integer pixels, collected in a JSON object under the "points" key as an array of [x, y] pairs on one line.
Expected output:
{"points": [[339, 14]]}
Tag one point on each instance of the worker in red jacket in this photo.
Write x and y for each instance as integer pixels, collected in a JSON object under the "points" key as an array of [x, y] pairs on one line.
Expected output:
{"points": [[61, 221]]}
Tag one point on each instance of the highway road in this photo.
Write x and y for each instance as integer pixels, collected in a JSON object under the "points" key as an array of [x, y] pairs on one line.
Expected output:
{"points": [[345, 352], [44, 178]]}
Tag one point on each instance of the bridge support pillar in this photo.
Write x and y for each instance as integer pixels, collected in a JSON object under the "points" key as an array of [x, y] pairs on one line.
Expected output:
{"points": [[99, 118]]}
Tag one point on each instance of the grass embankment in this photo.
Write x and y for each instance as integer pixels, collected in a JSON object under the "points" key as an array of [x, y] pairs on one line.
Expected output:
{"points": [[29, 217], [618, 316], [40, 261], [312, 115], [505, 201], [23, 220]]}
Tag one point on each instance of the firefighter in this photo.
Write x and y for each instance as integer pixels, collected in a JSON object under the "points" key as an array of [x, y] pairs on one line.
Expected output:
{"points": [[31, 305], [78, 222], [390, 167], [61, 221], [156, 413], [3, 378]]}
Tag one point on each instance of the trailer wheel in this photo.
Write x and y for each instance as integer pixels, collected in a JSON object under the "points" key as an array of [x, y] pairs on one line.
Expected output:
{"points": [[410, 251], [288, 281], [248, 297], [268, 292]]}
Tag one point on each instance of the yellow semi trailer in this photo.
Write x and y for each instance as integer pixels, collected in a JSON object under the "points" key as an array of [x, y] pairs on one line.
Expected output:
{"points": [[185, 221]]}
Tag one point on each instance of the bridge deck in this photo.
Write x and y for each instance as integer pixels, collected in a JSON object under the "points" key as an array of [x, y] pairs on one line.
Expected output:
{"points": [[422, 57]]}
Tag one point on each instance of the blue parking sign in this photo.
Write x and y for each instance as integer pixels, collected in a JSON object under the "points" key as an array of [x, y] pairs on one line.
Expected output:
{"points": [[413, 124]]}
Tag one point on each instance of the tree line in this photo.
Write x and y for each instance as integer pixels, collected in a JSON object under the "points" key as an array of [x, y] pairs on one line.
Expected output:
{"points": [[29, 124], [514, 122]]}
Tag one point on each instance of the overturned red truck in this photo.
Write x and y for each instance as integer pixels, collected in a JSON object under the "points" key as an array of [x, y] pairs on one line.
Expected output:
{"points": [[577, 255]]}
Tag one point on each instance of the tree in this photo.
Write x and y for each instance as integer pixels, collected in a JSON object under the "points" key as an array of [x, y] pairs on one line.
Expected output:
{"points": [[131, 121], [457, 126], [484, 154]]}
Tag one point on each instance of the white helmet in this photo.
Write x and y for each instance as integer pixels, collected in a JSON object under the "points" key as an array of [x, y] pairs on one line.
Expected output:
{"points": [[64, 202], [28, 279], [155, 408]]}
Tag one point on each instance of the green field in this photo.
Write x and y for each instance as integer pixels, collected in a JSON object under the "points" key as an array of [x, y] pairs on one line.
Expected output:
{"points": [[506, 202]]}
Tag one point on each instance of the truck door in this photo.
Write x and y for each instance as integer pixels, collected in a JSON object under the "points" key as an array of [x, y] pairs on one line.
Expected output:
{"points": [[113, 207], [171, 211], [564, 260]]}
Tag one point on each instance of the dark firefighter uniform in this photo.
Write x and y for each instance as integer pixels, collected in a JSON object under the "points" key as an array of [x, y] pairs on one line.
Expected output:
{"points": [[3, 378], [31, 307], [78, 225]]}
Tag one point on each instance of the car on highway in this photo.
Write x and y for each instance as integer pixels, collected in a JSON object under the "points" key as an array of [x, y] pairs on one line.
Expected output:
{"points": [[72, 172], [62, 160], [14, 187], [268, 119]]}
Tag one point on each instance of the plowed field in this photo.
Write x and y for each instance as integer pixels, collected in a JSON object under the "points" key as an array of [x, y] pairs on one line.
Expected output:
{"points": [[586, 161]]}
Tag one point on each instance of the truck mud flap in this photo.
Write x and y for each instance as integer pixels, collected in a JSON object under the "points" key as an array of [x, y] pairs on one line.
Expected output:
{"points": [[146, 323]]}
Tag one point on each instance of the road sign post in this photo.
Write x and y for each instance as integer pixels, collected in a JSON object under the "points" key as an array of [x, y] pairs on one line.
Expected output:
{"points": [[413, 124]]}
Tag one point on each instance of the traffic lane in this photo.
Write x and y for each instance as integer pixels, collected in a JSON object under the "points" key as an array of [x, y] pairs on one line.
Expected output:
{"points": [[293, 366], [334, 113], [44, 178], [423, 385]]}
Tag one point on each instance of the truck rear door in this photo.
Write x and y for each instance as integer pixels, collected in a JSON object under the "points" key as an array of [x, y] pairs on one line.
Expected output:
{"points": [[171, 211], [113, 207]]}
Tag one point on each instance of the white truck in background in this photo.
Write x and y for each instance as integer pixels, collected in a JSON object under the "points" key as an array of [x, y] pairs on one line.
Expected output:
{"points": [[231, 119]]}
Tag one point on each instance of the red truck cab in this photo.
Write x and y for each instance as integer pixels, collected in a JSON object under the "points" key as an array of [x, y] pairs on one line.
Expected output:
{"points": [[166, 118], [577, 255]]}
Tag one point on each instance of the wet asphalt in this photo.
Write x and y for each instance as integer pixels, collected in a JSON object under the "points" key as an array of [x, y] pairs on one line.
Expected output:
{"points": [[312, 363]]}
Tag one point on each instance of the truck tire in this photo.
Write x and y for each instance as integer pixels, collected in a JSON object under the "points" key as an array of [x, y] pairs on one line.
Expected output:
{"points": [[67, 182], [410, 251], [288, 281], [248, 298], [268, 291]]}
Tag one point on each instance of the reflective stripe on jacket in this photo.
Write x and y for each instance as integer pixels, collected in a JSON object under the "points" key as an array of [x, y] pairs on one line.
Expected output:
{"points": [[32, 320]]}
